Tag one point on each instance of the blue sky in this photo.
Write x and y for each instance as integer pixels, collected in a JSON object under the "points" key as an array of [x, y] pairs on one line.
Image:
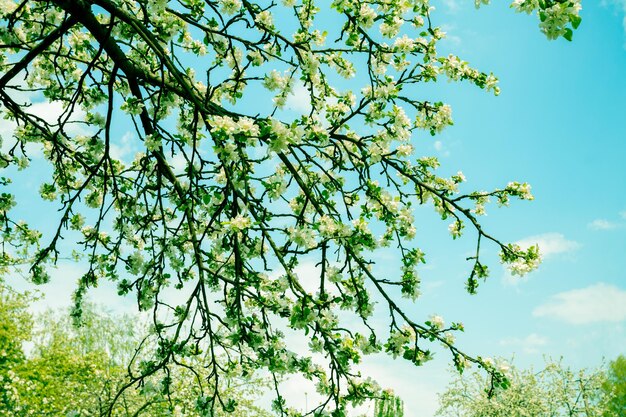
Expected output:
{"points": [[559, 124]]}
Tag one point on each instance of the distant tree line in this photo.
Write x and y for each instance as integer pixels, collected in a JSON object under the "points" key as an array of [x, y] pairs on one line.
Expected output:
{"points": [[555, 391], [50, 366]]}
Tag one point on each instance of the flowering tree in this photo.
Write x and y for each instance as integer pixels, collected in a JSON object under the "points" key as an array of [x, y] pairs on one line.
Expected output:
{"points": [[555, 391], [216, 199]]}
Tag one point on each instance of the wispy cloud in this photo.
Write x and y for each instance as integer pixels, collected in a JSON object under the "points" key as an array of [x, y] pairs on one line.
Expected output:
{"points": [[440, 147], [620, 8], [530, 344], [594, 304], [602, 224], [453, 6], [550, 244], [299, 100]]}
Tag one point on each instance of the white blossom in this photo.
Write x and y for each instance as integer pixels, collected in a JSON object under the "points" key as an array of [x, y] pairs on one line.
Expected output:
{"points": [[437, 322], [239, 223], [265, 19]]}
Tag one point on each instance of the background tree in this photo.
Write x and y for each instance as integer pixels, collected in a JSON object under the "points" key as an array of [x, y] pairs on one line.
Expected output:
{"points": [[78, 371], [615, 388], [555, 391], [15, 328], [220, 199]]}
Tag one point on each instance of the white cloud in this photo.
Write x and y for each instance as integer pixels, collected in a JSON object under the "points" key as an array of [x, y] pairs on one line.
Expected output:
{"points": [[439, 147], [49, 111], [549, 244], [529, 344], [123, 150], [594, 304], [7, 127], [307, 272], [57, 293], [602, 224], [299, 99], [453, 6], [178, 163]]}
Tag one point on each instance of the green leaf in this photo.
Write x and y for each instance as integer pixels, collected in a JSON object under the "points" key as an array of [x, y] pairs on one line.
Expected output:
{"points": [[568, 34]]}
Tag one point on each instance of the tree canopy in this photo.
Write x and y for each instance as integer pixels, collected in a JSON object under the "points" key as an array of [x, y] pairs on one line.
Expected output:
{"points": [[555, 391], [179, 174]]}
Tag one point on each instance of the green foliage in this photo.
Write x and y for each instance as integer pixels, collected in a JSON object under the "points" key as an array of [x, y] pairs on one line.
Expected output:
{"points": [[79, 371], [61, 381], [615, 388], [61, 376], [389, 405], [15, 326], [15, 330]]}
